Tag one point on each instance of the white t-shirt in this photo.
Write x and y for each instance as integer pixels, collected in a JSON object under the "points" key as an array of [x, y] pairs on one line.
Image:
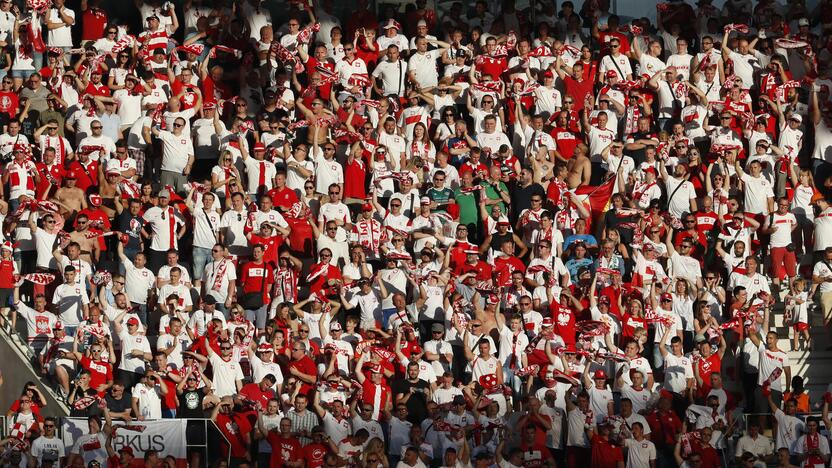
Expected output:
{"points": [[226, 375], [61, 36], [130, 343], [770, 360], [175, 151], [783, 235], [680, 201], [757, 192], [423, 67], [149, 400], [137, 282], [640, 453]]}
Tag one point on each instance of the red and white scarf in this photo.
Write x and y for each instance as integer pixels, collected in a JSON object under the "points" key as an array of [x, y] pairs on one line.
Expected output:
{"points": [[219, 274], [286, 284], [370, 234]]}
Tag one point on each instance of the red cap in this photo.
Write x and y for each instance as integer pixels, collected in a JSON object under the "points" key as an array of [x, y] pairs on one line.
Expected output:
{"points": [[416, 349], [95, 199], [611, 74], [126, 449], [650, 170], [366, 207], [503, 223], [600, 374], [259, 146], [58, 325], [547, 322], [209, 106], [71, 175], [548, 74], [667, 297], [132, 321]]}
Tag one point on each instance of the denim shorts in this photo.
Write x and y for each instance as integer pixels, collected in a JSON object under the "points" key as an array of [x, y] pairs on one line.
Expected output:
{"points": [[201, 257]]}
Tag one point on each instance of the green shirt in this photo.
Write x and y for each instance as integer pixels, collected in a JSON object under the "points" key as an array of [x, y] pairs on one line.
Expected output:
{"points": [[491, 194], [468, 209], [440, 196]]}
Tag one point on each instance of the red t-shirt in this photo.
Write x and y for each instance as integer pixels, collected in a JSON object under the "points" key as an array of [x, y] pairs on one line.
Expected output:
{"points": [[253, 392], [272, 245], [604, 453], [284, 449], [564, 320], [493, 66], [305, 365], [504, 266], [579, 90], [314, 455], [253, 275], [355, 173], [565, 140], [284, 197], [57, 173], [101, 372], [234, 427], [707, 366], [8, 103], [87, 176], [93, 21]]}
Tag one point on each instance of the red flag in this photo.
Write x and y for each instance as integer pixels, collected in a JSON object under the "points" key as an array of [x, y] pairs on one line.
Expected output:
{"points": [[598, 197]]}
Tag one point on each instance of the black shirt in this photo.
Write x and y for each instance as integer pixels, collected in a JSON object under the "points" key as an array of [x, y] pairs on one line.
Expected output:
{"points": [[190, 404], [118, 406], [130, 225], [417, 403], [521, 198]]}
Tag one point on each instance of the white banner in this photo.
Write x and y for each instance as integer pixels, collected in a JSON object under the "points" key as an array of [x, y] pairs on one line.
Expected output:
{"points": [[165, 436]]}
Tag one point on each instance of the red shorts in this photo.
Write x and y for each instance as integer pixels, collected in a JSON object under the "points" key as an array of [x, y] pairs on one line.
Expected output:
{"points": [[783, 262], [800, 326]]}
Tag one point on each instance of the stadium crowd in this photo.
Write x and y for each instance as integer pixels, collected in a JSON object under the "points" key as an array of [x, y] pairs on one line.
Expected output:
{"points": [[495, 233]]}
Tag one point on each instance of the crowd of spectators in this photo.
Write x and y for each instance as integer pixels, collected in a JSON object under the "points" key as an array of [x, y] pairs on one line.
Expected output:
{"points": [[496, 233]]}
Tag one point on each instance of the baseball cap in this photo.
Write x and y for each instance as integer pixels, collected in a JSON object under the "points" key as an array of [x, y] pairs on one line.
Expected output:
{"points": [[265, 348], [95, 199], [132, 321], [803, 22], [366, 207], [71, 175], [391, 23], [547, 322], [209, 106], [58, 325], [600, 374], [700, 338], [437, 327], [666, 297], [611, 74], [425, 201], [210, 300], [796, 117], [259, 146], [164, 193], [334, 326]]}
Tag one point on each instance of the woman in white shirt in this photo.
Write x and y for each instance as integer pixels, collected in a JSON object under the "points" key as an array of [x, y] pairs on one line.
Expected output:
{"points": [[421, 146]]}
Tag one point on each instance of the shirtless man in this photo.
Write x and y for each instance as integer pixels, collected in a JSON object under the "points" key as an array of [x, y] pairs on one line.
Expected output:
{"points": [[107, 189], [89, 249], [313, 116], [579, 167], [70, 198]]}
